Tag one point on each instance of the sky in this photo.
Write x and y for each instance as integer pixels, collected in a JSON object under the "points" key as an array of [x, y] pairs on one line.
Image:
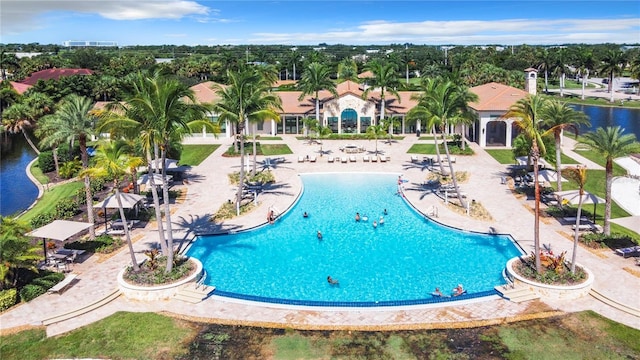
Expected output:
{"points": [[287, 22]]}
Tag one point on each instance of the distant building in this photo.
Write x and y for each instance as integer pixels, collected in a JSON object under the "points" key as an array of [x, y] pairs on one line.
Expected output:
{"points": [[77, 43]]}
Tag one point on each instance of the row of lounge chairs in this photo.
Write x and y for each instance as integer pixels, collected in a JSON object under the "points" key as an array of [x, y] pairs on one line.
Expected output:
{"points": [[431, 160], [353, 158]]}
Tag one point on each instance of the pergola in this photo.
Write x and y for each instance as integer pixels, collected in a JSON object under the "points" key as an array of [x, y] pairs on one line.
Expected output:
{"points": [[129, 201], [60, 230]]}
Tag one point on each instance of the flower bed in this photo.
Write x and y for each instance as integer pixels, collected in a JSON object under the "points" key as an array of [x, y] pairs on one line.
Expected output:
{"points": [[150, 285]]}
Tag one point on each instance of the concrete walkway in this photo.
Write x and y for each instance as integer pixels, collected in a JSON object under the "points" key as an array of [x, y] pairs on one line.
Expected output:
{"points": [[208, 188]]}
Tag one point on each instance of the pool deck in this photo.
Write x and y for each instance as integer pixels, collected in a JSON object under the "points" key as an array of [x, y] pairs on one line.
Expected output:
{"points": [[616, 278]]}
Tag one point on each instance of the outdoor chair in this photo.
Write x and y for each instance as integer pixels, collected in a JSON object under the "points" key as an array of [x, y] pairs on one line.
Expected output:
{"points": [[629, 251], [331, 159]]}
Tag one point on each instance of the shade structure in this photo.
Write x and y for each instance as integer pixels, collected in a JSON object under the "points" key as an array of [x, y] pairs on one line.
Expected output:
{"points": [[573, 198], [547, 175], [60, 230], [170, 164], [522, 161], [129, 201], [157, 179]]}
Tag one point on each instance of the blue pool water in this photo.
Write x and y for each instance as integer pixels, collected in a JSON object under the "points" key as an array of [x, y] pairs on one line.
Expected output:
{"points": [[403, 259]]}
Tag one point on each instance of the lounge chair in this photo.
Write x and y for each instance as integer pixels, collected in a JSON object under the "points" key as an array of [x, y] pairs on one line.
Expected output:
{"points": [[352, 158], [382, 158], [588, 227], [629, 251], [365, 158], [62, 285], [343, 159], [388, 157], [331, 159], [414, 158], [374, 158], [300, 158], [313, 158], [572, 219]]}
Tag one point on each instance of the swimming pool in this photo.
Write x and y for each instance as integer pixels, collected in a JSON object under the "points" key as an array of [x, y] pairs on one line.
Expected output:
{"points": [[399, 262]]}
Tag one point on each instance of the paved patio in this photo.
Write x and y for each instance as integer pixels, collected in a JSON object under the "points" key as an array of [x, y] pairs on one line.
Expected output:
{"points": [[208, 188]]}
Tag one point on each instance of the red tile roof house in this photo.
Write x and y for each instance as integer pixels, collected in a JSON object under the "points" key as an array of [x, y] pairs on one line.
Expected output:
{"points": [[54, 74], [349, 113]]}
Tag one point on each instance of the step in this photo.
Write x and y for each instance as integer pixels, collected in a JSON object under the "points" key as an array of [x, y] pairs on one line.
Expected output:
{"points": [[190, 293], [517, 294], [523, 298], [83, 310], [628, 309], [189, 299]]}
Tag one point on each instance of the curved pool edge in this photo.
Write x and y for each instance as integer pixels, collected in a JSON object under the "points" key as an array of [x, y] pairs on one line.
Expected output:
{"points": [[325, 305]]}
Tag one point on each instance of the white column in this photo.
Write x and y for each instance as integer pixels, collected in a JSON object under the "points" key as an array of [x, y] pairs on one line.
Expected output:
{"points": [[509, 132]]}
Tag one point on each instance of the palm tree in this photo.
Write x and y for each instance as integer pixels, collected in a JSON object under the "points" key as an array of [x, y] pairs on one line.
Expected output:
{"points": [[375, 132], [316, 77], [527, 113], [384, 78], [19, 118], [73, 120], [390, 123], [247, 98], [559, 116], [545, 63], [577, 174], [444, 103], [16, 250], [113, 161], [612, 64], [610, 143], [586, 63], [320, 131], [347, 70], [635, 70]]}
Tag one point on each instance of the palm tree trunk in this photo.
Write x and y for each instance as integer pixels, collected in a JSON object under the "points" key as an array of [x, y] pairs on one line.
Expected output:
{"points": [[156, 205], [127, 235], [87, 186], [55, 160], [463, 143], [435, 141], [241, 177], [546, 81], [33, 146], [453, 174], [558, 160], [167, 211], [584, 80], [611, 85], [576, 234], [255, 150], [318, 110], [535, 155], [607, 197]]}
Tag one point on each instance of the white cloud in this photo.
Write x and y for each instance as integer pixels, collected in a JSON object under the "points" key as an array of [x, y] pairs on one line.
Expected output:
{"points": [[23, 15], [469, 32]]}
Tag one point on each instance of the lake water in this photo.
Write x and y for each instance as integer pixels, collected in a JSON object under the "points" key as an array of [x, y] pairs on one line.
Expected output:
{"points": [[600, 116], [17, 192]]}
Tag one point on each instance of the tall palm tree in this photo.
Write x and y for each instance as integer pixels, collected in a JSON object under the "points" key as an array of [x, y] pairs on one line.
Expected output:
{"points": [[586, 63], [559, 116], [527, 113], [385, 79], [578, 175], [347, 70], [445, 103], [320, 131], [316, 77], [545, 64], [375, 132], [112, 160], [610, 143], [247, 98], [635, 69], [612, 64], [73, 120], [159, 110]]}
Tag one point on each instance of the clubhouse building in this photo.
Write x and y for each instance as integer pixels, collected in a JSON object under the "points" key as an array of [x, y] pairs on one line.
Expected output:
{"points": [[349, 113]]}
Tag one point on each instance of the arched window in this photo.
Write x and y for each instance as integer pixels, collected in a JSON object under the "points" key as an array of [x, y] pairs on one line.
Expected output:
{"points": [[349, 119]]}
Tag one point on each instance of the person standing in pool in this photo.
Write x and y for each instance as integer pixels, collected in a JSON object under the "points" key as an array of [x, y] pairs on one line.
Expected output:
{"points": [[358, 217], [319, 235]]}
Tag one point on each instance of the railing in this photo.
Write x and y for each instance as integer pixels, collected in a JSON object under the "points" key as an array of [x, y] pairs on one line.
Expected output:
{"points": [[202, 279]]}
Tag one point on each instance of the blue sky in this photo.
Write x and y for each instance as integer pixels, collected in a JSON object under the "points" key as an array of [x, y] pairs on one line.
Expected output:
{"points": [[187, 22]]}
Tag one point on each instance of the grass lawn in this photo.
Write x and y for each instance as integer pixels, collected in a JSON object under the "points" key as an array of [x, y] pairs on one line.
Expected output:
{"points": [[503, 156], [598, 159], [275, 149], [120, 336], [422, 149], [38, 174], [50, 198], [195, 154], [270, 138], [583, 335]]}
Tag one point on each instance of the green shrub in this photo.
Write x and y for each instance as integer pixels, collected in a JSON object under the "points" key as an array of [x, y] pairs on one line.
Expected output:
{"points": [[70, 169], [45, 283], [45, 161], [97, 184], [65, 154], [41, 220], [66, 208], [30, 292], [56, 277], [8, 298]]}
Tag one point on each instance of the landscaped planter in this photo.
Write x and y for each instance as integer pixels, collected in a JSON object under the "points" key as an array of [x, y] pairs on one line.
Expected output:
{"points": [[552, 292], [161, 292]]}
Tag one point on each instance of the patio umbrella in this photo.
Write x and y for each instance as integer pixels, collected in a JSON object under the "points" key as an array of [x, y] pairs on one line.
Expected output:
{"points": [[573, 198], [547, 176], [170, 164], [129, 201], [60, 230]]}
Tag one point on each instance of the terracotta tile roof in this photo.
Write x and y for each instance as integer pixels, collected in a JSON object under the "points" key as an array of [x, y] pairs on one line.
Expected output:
{"points": [[366, 74], [496, 97], [204, 92], [54, 74], [20, 88]]}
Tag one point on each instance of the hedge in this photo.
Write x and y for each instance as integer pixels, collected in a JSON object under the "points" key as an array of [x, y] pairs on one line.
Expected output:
{"points": [[30, 292], [8, 298]]}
